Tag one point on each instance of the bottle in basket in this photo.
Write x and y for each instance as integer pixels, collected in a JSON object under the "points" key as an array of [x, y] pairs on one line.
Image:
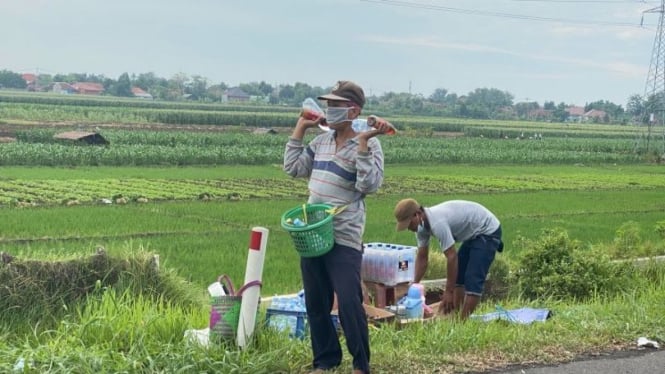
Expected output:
{"points": [[375, 121]]}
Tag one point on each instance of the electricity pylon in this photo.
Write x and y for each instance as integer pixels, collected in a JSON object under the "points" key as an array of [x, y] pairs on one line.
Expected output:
{"points": [[654, 91]]}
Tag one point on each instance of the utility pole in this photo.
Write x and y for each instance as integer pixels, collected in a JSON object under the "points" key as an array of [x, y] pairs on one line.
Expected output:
{"points": [[654, 91]]}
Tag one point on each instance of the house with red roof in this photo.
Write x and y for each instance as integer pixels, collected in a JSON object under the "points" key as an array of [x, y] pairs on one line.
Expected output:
{"points": [[140, 93], [29, 78], [88, 88], [63, 88], [595, 115]]}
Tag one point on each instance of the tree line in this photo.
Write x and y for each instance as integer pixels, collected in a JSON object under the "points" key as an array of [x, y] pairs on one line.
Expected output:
{"points": [[481, 103]]}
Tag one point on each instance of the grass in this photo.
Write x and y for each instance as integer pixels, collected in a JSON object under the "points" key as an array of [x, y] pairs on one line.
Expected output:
{"points": [[116, 331], [204, 239]]}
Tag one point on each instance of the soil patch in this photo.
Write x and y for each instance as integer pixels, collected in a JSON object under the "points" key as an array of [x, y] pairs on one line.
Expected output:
{"points": [[448, 134]]}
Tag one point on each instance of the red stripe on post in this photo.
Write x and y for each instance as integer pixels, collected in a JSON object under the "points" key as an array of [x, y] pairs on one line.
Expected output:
{"points": [[255, 241]]}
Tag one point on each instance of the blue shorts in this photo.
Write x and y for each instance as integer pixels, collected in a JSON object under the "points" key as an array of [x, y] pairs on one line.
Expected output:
{"points": [[475, 257]]}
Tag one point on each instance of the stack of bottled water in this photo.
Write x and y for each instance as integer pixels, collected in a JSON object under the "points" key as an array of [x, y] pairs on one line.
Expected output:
{"points": [[389, 264], [295, 308]]}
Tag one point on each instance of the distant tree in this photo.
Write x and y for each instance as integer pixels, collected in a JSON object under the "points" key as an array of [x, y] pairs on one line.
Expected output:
{"points": [[79, 77], [636, 108], [108, 85], [549, 105], [257, 88], [96, 78], [439, 96], [524, 108], [402, 103], [286, 93], [147, 81], [486, 102], [197, 87], [612, 110], [451, 99], [177, 86], [9, 79], [560, 112], [44, 80], [251, 88], [302, 91], [216, 91], [653, 106], [265, 88], [123, 87]]}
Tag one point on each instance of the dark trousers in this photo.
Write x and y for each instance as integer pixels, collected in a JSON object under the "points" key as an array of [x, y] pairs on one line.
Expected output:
{"points": [[338, 271]]}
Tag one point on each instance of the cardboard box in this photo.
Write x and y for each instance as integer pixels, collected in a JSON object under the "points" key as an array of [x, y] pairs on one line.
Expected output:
{"points": [[383, 295], [405, 322], [378, 315], [427, 319]]}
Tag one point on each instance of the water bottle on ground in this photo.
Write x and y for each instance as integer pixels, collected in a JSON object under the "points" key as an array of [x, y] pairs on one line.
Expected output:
{"points": [[413, 302]]}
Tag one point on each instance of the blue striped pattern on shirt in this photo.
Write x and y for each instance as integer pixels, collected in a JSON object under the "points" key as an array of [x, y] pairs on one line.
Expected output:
{"points": [[338, 177]]}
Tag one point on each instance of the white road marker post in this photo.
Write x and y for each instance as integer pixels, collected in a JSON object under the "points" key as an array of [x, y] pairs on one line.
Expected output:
{"points": [[258, 241]]}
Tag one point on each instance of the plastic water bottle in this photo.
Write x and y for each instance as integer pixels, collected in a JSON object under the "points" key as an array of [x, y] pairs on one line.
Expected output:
{"points": [[369, 123], [375, 121], [20, 363], [413, 302], [215, 289], [360, 125], [298, 222], [311, 110]]}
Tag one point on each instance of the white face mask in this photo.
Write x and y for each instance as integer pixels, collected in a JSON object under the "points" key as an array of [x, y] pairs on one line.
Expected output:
{"points": [[337, 115], [421, 227]]}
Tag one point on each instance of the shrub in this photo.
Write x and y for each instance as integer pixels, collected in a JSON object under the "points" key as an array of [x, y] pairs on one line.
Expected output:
{"points": [[558, 267], [660, 228], [627, 237], [436, 265], [497, 285]]}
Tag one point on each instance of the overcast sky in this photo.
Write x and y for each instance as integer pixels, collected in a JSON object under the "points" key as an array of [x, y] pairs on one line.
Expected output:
{"points": [[554, 50]]}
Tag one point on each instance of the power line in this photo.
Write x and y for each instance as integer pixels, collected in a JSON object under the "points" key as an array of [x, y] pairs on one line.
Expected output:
{"points": [[498, 14], [591, 1]]}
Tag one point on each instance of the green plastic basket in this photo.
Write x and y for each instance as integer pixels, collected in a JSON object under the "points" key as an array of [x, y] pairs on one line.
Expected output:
{"points": [[316, 238]]}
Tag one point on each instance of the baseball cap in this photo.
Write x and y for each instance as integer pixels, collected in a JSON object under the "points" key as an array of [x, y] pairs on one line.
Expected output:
{"points": [[346, 91], [404, 211]]}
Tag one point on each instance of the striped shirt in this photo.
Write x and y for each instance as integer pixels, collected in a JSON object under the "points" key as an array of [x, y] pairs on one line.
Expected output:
{"points": [[338, 177]]}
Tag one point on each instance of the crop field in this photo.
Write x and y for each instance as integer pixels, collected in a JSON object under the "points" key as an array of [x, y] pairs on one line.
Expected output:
{"points": [[204, 237], [155, 148]]}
